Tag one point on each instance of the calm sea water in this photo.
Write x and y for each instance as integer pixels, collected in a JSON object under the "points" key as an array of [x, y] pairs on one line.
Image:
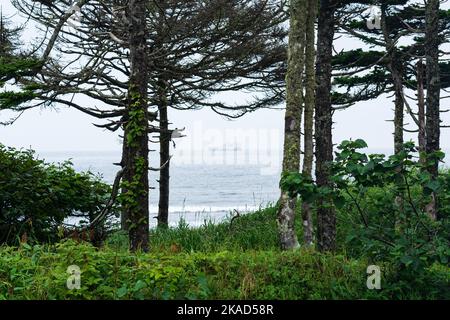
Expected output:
{"points": [[205, 188], [198, 192]]}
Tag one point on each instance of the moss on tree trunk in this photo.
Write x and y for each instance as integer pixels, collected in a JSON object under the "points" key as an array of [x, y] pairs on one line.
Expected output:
{"points": [[293, 117], [135, 158]]}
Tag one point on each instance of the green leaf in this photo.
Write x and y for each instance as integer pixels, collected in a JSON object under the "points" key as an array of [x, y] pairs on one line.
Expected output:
{"points": [[139, 285], [360, 144], [121, 292], [433, 185]]}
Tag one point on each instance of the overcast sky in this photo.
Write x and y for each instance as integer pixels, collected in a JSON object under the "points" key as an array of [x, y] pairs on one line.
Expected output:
{"points": [[69, 130]]}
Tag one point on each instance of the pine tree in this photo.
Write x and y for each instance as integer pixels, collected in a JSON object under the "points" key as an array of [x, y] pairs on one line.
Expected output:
{"points": [[390, 64], [249, 63], [13, 66], [196, 50]]}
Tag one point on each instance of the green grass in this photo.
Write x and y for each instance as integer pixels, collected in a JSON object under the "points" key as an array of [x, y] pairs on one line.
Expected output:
{"points": [[254, 231], [223, 261]]}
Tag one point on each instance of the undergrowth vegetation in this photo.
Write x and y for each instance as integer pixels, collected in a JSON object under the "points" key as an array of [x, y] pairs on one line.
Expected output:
{"points": [[37, 198], [39, 272], [381, 222], [224, 261]]}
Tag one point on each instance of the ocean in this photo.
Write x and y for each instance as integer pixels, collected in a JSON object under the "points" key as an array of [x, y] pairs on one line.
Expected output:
{"points": [[200, 191], [204, 186]]}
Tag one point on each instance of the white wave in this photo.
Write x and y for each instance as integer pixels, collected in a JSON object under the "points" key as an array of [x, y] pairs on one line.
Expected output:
{"points": [[206, 209]]}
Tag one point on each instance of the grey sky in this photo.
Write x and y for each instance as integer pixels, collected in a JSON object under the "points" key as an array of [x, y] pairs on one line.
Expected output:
{"points": [[67, 129]]}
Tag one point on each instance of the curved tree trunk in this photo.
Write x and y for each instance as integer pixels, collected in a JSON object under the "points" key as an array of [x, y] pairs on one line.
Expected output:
{"points": [[310, 81], [326, 217], [293, 117]]}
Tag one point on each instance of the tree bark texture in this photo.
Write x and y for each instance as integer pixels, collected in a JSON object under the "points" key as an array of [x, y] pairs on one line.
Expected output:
{"points": [[293, 117], [308, 134], [164, 144], [326, 218], [135, 158], [395, 68], [421, 110], [433, 91]]}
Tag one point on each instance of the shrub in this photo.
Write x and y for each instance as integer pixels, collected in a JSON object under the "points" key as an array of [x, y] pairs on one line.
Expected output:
{"points": [[215, 272], [381, 212], [40, 272], [36, 197]]}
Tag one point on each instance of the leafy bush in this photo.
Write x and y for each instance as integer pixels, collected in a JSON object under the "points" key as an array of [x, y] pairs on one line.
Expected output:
{"points": [[40, 272], [381, 208], [36, 197], [179, 269]]}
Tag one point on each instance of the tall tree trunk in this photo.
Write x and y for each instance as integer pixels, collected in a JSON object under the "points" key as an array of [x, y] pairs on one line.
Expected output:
{"points": [[396, 74], [135, 159], [421, 110], [164, 143], [326, 217], [399, 110], [399, 103], [310, 54], [162, 102], [293, 117], [433, 91]]}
